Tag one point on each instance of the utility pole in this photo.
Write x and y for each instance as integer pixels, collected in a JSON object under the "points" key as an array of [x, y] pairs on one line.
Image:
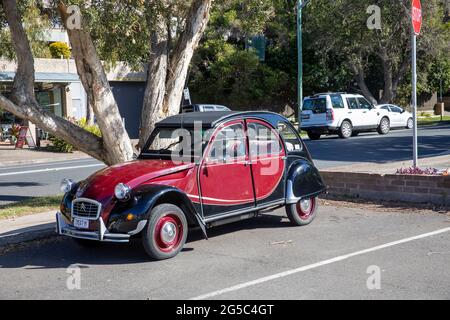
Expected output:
{"points": [[300, 5]]}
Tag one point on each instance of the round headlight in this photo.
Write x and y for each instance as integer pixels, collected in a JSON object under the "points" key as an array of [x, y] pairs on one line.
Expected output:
{"points": [[122, 191], [67, 185]]}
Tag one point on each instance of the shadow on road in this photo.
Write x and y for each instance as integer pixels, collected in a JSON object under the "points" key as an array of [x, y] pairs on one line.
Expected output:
{"points": [[62, 252]]}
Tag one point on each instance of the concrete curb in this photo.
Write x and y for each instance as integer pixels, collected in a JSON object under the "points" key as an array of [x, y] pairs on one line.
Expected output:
{"points": [[38, 233]]}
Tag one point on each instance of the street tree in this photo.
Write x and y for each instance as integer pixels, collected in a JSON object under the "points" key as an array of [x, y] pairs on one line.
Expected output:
{"points": [[340, 29], [169, 32]]}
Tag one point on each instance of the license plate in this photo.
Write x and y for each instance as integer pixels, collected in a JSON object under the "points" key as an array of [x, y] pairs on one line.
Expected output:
{"points": [[81, 223], [305, 116]]}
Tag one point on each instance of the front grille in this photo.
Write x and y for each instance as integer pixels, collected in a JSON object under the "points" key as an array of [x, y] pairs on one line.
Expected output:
{"points": [[86, 208]]}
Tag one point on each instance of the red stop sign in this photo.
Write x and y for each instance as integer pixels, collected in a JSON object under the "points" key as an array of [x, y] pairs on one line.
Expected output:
{"points": [[416, 16]]}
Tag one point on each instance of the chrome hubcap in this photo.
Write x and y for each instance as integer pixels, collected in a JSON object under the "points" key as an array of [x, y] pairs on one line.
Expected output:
{"points": [[168, 232], [305, 205], [385, 125]]}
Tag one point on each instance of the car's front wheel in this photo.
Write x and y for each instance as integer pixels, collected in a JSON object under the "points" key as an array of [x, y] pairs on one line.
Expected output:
{"points": [[410, 123], [166, 232], [346, 130], [303, 212], [384, 127], [313, 135]]}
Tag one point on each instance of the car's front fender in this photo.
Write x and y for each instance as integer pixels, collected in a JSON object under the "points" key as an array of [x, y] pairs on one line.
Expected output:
{"points": [[303, 181], [143, 200]]}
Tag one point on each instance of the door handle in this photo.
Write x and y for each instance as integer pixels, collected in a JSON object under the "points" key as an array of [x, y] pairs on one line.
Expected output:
{"points": [[248, 163], [350, 112]]}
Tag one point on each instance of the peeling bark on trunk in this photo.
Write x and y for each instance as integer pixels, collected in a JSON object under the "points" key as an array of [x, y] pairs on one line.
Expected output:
{"points": [[117, 144], [23, 103], [166, 82]]}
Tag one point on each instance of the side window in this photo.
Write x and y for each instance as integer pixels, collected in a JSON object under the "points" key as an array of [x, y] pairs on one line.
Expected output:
{"points": [[263, 140], [396, 109], [385, 108], [208, 108], [336, 101], [228, 144], [352, 103], [364, 104], [289, 137]]}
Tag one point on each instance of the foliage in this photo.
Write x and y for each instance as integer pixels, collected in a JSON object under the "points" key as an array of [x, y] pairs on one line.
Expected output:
{"points": [[35, 24], [440, 70], [60, 145], [418, 171], [59, 49]]}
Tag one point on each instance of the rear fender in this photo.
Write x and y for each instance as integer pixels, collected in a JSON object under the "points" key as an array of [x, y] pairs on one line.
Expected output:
{"points": [[303, 181]]}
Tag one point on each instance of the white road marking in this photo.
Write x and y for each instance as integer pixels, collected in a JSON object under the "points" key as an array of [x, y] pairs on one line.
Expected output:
{"points": [[316, 265], [50, 169], [42, 164]]}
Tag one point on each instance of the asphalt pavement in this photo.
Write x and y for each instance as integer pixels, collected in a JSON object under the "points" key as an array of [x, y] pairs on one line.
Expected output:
{"points": [[25, 181], [346, 253]]}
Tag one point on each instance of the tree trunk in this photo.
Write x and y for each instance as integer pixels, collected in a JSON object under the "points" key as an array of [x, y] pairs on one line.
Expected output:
{"points": [[360, 79], [117, 144], [23, 103], [163, 99]]}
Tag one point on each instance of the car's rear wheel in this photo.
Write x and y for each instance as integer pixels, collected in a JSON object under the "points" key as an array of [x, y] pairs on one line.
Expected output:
{"points": [[313, 135], [166, 232], [410, 123], [346, 130], [303, 212], [384, 127]]}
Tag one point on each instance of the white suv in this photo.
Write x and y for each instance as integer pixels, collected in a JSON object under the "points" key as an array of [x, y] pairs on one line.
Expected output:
{"points": [[343, 114]]}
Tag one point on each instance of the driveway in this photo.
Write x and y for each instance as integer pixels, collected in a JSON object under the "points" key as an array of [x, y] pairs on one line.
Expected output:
{"points": [[349, 252]]}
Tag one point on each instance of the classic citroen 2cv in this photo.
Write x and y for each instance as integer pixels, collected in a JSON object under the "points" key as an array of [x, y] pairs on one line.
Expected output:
{"points": [[197, 170]]}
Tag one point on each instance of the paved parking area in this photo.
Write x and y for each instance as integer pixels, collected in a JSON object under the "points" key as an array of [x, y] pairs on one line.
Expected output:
{"points": [[262, 258]]}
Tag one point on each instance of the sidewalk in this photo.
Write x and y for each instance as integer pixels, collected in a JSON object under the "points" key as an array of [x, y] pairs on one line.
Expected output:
{"points": [[26, 228], [10, 156], [440, 162]]}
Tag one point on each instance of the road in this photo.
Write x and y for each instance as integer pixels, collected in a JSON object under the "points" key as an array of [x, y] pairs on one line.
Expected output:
{"points": [[20, 182], [405, 251]]}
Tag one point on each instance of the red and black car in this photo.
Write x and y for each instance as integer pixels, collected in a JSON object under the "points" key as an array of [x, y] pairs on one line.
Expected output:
{"points": [[197, 170]]}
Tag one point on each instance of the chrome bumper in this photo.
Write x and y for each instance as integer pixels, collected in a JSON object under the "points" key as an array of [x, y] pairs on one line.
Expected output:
{"points": [[103, 234]]}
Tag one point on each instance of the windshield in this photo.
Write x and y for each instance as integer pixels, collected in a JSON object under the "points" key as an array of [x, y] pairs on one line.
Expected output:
{"points": [[179, 144]]}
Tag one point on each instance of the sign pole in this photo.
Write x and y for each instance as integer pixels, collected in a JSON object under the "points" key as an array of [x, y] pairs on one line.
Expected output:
{"points": [[414, 97]]}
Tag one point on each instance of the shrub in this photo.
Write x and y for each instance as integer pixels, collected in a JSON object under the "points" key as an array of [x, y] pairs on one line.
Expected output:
{"points": [[419, 171], [59, 145], [58, 49]]}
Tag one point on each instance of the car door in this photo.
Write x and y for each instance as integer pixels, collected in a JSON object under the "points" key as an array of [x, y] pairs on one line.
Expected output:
{"points": [[225, 173], [267, 158], [369, 117], [354, 112], [396, 115]]}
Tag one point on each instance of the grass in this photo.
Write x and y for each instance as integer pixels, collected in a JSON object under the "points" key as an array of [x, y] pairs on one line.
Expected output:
{"points": [[30, 206], [433, 120]]}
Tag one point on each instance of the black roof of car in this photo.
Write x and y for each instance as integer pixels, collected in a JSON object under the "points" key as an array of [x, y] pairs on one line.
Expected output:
{"points": [[212, 118]]}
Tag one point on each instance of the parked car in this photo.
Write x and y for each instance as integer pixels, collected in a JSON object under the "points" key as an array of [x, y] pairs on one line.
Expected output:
{"points": [[248, 163], [204, 108], [343, 114], [400, 118]]}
